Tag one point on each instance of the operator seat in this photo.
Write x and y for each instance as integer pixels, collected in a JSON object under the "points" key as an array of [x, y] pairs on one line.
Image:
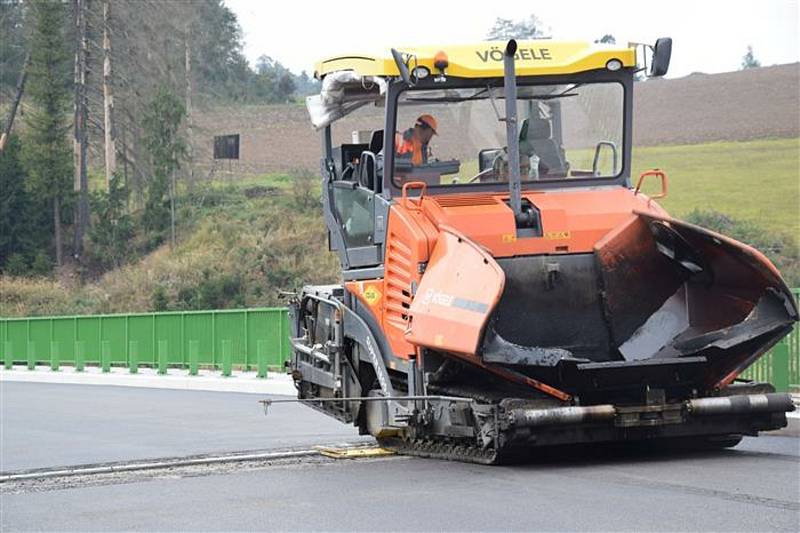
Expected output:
{"points": [[536, 137]]}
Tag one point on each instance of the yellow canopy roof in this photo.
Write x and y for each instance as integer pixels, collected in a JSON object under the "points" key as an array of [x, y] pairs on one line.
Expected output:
{"points": [[485, 59]]}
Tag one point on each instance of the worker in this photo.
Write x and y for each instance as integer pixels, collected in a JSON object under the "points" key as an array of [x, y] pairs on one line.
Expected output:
{"points": [[413, 143]]}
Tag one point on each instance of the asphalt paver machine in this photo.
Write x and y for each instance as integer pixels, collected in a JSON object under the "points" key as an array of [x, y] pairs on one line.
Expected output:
{"points": [[514, 288]]}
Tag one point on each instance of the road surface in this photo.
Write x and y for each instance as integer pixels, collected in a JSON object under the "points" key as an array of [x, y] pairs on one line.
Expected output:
{"points": [[46, 425], [754, 487]]}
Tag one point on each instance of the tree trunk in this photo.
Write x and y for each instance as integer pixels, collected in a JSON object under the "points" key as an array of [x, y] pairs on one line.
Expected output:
{"points": [[81, 182], [108, 98], [12, 112], [57, 225], [125, 162], [189, 124], [77, 7], [172, 208]]}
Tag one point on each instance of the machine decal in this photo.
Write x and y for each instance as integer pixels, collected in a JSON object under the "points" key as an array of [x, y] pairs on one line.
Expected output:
{"points": [[376, 362], [525, 54], [372, 295], [470, 305], [557, 235], [433, 296]]}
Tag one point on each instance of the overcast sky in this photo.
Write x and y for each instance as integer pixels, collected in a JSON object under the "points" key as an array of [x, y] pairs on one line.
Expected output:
{"points": [[708, 35]]}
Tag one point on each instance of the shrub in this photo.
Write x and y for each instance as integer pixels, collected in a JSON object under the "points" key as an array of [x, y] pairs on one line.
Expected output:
{"points": [[16, 265], [41, 265], [305, 189], [214, 292], [160, 299]]}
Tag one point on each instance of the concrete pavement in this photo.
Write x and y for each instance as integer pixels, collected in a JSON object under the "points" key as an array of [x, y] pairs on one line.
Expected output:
{"points": [[208, 380]]}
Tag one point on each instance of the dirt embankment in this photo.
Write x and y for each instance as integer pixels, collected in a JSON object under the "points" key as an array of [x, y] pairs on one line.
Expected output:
{"points": [[750, 104], [733, 106]]}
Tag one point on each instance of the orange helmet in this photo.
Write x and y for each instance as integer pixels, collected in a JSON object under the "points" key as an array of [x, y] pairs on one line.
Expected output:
{"points": [[428, 121]]}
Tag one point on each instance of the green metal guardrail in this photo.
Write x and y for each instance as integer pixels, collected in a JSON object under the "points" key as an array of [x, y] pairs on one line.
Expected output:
{"points": [[247, 339]]}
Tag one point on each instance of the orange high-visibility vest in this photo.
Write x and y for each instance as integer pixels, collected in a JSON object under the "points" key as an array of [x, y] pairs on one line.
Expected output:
{"points": [[408, 145]]}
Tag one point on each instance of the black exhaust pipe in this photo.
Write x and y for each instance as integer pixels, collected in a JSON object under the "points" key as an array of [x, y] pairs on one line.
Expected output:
{"points": [[510, 89]]}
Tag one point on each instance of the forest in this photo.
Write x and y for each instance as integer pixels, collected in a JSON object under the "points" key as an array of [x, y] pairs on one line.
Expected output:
{"points": [[98, 99]]}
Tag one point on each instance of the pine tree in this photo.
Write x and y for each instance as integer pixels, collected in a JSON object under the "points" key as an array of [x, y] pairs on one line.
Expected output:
{"points": [[25, 225], [166, 147], [113, 231], [12, 42], [749, 60], [46, 152], [13, 201]]}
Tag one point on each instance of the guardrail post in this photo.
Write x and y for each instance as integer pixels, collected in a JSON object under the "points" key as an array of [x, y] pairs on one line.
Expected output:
{"points": [[55, 356], [227, 357], [286, 351], [31, 355], [133, 356], [262, 358], [9, 357], [780, 366], [163, 346], [105, 356], [194, 357], [247, 367], [80, 356], [213, 340]]}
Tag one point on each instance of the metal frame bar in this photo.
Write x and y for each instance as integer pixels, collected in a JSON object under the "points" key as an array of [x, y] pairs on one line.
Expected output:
{"points": [[268, 402]]}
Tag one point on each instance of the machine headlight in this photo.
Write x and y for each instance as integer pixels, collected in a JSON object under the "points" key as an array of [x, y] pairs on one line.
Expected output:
{"points": [[614, 64], [421, 72]]}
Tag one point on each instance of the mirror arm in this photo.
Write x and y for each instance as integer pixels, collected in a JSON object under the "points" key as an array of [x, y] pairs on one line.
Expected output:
{"points": [[402, 67]]}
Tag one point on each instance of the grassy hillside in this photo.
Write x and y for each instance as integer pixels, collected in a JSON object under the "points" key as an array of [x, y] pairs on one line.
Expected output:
{"points": [[243, 241], [757, 181], [239, 245]]}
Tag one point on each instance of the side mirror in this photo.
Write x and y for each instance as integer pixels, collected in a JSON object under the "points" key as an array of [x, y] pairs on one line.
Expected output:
{"points": [[662, 51]]}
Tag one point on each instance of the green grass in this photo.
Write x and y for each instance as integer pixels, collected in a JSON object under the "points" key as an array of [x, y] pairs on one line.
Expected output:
{"points": [[239, 244], [758, 181]]}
